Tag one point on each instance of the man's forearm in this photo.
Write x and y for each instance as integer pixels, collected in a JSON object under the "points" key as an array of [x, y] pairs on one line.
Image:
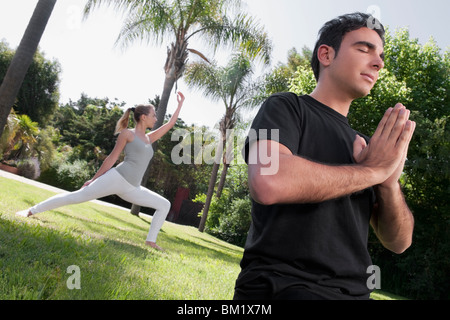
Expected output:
{"points": [[392, 220], [299, 180]]}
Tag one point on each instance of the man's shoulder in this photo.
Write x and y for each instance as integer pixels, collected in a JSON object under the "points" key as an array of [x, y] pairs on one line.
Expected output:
{"points": [[288, 103], [284, 96], [284, 99]]}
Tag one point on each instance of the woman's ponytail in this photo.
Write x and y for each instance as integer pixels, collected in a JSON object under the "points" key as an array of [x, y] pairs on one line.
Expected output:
{"points": [[138, 112], [123, 121]]}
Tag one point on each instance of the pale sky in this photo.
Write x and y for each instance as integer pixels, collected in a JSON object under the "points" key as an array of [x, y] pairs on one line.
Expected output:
{"points": [[91, 64]]}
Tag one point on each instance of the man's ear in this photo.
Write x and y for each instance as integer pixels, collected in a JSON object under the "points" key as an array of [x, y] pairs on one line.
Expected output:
{"points": [[325, 54]]}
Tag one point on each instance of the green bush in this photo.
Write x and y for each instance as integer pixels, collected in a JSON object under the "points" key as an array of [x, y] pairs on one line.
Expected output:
{"points": [[73, 175], [229, 217], [65, 174], [234, 225]]}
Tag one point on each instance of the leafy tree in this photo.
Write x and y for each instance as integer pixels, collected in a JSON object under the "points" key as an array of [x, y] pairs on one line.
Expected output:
{"points": [[279, 79], [23, 58], [181, 21], [39, 93], [89, 130], [425, 72]]}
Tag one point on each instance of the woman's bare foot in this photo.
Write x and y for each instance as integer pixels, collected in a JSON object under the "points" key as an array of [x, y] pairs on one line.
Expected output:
{"points": [[154, 246], [24, 213]]}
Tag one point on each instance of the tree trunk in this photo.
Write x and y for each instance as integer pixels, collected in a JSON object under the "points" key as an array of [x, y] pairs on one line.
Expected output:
{"points": [[212, 183], [23, 57], [228, 144], [223, 177], [226, 160]]}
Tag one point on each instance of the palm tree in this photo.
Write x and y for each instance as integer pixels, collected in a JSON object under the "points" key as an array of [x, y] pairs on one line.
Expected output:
{"points": [[9, 133], [22, 59], [19, 136], [180, 21], [233, 85]]}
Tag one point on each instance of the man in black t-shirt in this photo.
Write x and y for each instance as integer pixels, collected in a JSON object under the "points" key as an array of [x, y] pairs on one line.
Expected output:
{"points": [[325, 183]]}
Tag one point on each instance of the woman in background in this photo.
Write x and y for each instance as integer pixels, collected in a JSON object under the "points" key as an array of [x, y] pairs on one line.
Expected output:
{"points": [[125, 179]]}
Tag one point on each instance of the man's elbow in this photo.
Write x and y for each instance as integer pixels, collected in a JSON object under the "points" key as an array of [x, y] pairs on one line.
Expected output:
{"points": [[262, 190], [399, 250], [399, 247]]}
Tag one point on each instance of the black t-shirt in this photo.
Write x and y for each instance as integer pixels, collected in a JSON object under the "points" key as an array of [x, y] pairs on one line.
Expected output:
{"points": [[320, 246]]}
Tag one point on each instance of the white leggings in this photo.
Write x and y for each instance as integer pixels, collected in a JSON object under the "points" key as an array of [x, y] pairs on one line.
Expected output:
{"points": [[113, 183]]}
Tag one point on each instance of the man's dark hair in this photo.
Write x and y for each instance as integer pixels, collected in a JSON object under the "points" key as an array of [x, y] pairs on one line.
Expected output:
{"points": [[334, 31]]}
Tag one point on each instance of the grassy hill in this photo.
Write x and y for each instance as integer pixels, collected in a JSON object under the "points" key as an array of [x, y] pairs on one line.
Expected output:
{"points": [[107, 244]]}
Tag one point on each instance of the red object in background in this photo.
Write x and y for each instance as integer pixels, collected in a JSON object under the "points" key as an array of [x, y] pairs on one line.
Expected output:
{"points": [[181, 195]]}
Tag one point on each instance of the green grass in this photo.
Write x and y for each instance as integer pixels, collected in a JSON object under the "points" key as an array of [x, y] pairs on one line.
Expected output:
{"points": [[107, 244], [382, 295]]}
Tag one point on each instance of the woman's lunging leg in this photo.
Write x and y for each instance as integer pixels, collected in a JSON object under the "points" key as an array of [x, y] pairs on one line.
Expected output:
{"points": [[146, 198], [105, 185]]}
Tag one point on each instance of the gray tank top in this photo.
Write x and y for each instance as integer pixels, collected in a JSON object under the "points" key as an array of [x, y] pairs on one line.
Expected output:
{"points": [[137, 156]]}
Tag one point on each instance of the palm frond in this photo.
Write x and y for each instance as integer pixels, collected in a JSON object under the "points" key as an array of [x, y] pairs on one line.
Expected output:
{"points": [[201, 55], [240, 33], [216, 21], [233, 83], [119, 5], [204, 77]]}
